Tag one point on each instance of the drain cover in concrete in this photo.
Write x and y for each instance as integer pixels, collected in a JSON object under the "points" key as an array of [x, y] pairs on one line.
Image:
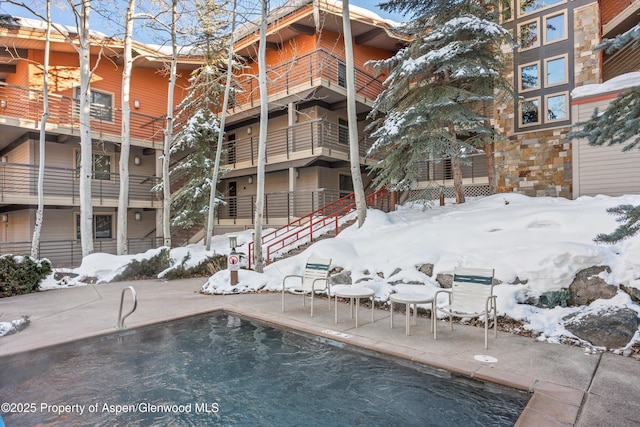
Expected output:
{"points": [[485, 359]]}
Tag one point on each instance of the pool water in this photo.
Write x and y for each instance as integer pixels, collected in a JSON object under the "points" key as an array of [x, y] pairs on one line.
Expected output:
{"points": [[219, 369]]}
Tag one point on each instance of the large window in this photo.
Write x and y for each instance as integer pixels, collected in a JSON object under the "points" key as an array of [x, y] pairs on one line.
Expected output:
{"points": [[101, 165], [555, 28], [102, 226], [556, 71], [529, 76], [527, 6], [528, 34], [101, 104], [530, 112], [557, 107]]}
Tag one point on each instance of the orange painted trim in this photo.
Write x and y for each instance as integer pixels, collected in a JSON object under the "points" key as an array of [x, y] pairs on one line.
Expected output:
{"points": [[595, 98]]}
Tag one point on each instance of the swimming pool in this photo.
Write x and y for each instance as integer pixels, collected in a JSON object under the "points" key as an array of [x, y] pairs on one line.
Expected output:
{"points": [[219, 369]]}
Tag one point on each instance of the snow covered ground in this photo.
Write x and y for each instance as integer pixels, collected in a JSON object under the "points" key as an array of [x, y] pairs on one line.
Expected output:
{"points": [[541, 241]]}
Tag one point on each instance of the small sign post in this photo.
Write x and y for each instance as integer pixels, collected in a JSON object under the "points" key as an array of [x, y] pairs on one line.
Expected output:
{"points": [[233, 262]]}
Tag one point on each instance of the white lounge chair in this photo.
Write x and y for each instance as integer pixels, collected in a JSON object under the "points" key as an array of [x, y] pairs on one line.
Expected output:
{"points": [[315, 279], [471, 295]]}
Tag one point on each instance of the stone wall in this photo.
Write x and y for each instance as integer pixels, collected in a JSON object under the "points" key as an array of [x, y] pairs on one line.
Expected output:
{"points": [[539, 162]]}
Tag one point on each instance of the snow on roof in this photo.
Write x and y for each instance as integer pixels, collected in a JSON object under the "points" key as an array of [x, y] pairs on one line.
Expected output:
{"points": [[618, 83]]}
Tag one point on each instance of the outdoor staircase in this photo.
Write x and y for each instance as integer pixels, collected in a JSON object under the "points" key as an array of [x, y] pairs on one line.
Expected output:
{"points": [[325, 222]]}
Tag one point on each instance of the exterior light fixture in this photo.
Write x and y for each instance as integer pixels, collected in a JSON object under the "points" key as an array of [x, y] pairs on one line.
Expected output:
{"points": [[5, 218], [137, 216], [137, 161], [136, 103], [249, 130], [250, 180], [233, 242]]}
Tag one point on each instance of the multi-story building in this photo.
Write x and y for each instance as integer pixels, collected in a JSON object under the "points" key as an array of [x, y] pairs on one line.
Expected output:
{"points": [[21, 107], [555, 54], [307, 149]]}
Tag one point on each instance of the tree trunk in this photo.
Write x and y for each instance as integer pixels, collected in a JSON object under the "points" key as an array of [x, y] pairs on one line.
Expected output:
{"points": [[123, 198], [456, 170], [223, 119], [488, 152], [262, 140], [354, 152], [168, 132], [35, 241], [86, 156]]}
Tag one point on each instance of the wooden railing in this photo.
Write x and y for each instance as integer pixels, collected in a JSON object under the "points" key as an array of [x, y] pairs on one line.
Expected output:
{"points": [[321, 221], [312, 69], [27, 104], [282, 144], [22, 180]]}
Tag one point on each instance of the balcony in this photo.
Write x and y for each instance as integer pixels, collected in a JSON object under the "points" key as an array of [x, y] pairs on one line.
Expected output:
{"points": [[305, 140], [305, 72], [22, 107], [19, 185]]}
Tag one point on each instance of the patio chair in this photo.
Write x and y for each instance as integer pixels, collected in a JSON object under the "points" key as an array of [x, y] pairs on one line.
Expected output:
{"points": [[471, 295], [314, 280]]}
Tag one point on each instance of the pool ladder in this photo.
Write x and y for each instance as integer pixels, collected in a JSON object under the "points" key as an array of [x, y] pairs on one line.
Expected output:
{"points": [[121, 318]]}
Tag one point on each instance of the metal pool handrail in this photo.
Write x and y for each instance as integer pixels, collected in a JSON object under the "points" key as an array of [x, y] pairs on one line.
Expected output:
{"points": [[121, 318]]}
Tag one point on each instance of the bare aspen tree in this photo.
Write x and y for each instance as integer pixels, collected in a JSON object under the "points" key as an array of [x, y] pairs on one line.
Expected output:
{"points": [[86, 156], [223, 117], [35, 241], [125, 148], [168, 131], [354, 151], [262, 139]]}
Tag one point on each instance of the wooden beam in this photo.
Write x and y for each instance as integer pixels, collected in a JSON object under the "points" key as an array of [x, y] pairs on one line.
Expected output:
{"points": [[7, 68], [303, 29], [369, 35]]}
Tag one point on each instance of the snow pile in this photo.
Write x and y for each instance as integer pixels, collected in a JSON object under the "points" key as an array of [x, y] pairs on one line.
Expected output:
{"points": [[624, 81], [539, 242], [13, 326]]}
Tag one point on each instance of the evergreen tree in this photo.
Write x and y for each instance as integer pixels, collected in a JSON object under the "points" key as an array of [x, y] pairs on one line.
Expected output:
{"points": [[618, 124], [195, 144], [434, 99]]}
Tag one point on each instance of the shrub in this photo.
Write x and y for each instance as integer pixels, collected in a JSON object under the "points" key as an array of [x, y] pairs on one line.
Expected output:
{"points": [[147, 268], [207, 267], [21, 274]]}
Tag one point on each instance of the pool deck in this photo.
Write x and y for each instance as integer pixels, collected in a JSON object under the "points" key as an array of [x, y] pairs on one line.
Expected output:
{"points": [[570, 387]]}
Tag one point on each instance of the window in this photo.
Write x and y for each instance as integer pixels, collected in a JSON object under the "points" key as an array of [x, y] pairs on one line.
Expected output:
{"points": [[527, 6], [342, 74], [343, 131], [556, 71], [555, 28], [101, 166], [557, 107], [506, 9], [529, 76], [102, 226], [101, 104], [530, 112], [345, 185], [528, 35]]}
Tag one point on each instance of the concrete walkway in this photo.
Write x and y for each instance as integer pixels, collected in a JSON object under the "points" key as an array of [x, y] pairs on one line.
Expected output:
{"points": [[569, 386]]}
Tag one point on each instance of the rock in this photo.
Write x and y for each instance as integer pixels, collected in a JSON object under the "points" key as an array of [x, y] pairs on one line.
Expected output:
{"points": [[588, 286], [380, 274], [519, 281], [363, 279], [634, 293], [426, 269], [57, 276], [445, 280], [612, 328], [396, 271], [342, 278]]}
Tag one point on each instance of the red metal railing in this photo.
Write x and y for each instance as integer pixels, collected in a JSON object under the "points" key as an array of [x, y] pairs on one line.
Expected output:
{"points": [[314, 224]]}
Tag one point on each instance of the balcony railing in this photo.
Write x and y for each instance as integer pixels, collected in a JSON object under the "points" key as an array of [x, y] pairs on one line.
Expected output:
{"points": [[27, 104], [474, 169], [20, 180], [68, 253], [282, 144], [312, 69], [277, 206]]}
